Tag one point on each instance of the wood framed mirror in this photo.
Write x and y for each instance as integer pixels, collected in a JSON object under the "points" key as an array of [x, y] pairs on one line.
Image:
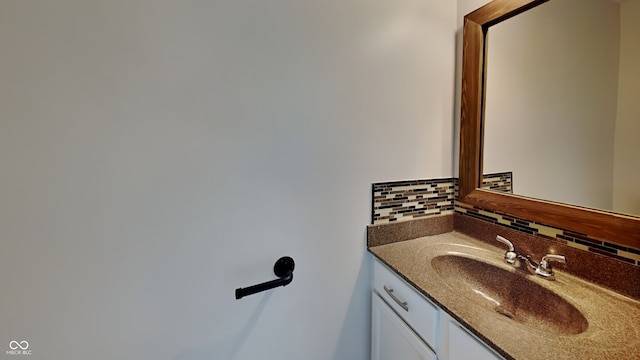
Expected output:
{"points": [[616, 228]]}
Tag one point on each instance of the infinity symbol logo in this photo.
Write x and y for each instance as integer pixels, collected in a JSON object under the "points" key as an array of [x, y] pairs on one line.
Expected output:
{"points": [[22, 345]]}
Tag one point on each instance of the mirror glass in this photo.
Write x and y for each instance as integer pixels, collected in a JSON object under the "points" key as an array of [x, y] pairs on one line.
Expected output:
{"points": [[561, 110]]}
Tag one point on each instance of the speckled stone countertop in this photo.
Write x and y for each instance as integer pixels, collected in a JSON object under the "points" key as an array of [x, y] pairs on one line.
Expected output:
{"points": [[609, 328]]}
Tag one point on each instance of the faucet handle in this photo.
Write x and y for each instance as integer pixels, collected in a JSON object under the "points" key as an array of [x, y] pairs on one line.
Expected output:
{"points": [[510, 256], [544, 269]]}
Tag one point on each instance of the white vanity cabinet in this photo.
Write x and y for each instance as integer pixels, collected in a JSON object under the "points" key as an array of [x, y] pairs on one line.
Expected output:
{"points": [[457, 343], [403, 321], [392, 338], [406, 325]]}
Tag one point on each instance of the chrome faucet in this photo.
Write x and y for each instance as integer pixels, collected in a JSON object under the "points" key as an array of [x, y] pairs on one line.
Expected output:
{"points": [[542, 269]]}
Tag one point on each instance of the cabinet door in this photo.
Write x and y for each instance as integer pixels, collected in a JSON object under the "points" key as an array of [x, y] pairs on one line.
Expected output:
{"points": [[463, 345], [420, 314], [391, 338]]}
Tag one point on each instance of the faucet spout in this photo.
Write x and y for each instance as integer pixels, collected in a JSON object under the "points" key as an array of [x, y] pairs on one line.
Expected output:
{"points": [[531, 265]]}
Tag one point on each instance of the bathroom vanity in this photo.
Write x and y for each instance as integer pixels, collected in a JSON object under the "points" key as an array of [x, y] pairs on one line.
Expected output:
{"points": [[407, 325], [450, 296]]}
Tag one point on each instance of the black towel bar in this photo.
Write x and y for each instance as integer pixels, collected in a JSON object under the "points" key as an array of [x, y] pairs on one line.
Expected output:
{"points": [[283, 269]]}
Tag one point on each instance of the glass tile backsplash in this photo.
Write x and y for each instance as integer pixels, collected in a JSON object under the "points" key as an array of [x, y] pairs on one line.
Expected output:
{"points": [[412, 199]]}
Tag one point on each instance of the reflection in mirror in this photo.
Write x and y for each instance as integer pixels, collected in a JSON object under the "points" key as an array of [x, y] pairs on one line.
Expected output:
{"points": [[557, 111]]}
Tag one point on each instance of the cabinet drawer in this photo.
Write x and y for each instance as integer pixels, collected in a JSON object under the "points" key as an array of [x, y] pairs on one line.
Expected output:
{"points": [[418, 312]]}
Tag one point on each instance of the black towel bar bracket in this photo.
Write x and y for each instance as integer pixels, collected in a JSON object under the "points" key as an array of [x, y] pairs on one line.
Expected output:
{"points": [[283, 269]]}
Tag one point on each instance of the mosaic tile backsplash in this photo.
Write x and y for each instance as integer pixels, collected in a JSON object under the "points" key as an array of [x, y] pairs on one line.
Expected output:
{"points": [[502, 182], [408, 200], [412, 199], [570, 238]]}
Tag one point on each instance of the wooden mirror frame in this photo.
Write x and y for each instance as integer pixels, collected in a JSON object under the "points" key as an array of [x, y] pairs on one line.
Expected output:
{"points": [[616, 228]]}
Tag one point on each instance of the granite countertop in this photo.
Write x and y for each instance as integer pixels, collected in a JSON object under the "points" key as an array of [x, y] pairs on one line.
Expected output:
{"points": [[610, 331]]}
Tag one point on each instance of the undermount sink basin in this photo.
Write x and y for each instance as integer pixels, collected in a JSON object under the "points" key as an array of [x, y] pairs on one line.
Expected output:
{"points": [[509, 292]]}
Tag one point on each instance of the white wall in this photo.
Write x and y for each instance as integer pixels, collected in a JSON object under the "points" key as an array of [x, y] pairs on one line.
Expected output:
{"points": [[626, 191], [551, 101], [155, 155]]}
